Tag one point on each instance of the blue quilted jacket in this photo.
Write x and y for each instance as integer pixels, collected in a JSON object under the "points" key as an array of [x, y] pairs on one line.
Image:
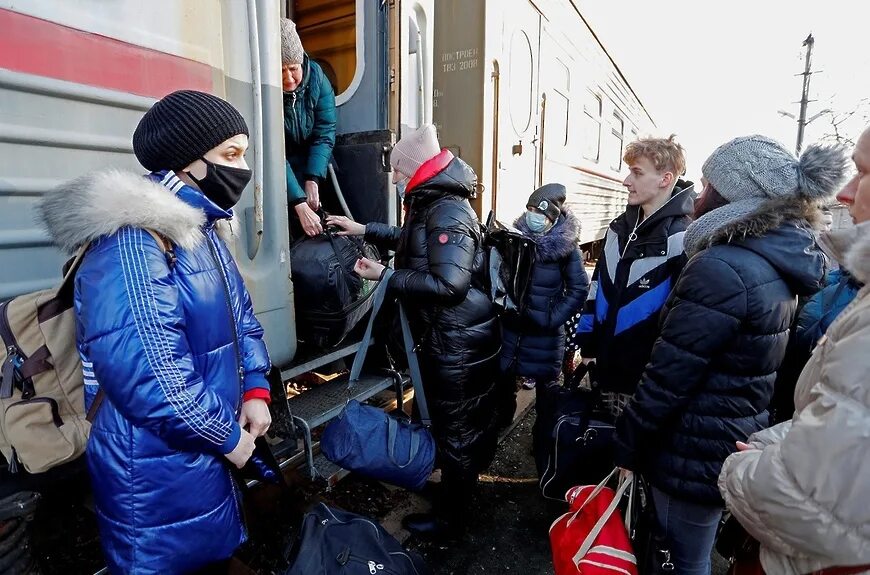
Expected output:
{"points": [[533, 344], [174, 344]]}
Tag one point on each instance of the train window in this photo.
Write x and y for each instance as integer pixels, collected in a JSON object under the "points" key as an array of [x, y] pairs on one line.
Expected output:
{"points": [[521, 94], [616, 140], [557, 118], [591, 128], [413, 105], [329, 33], [560, 103]]}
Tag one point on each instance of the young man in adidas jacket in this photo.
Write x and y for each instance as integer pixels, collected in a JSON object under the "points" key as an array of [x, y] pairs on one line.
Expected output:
{"points": [[642, 258]]}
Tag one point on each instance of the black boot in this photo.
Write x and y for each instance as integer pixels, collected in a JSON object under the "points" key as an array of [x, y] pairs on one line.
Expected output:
{"points": [[448, 521], [428, 525]]}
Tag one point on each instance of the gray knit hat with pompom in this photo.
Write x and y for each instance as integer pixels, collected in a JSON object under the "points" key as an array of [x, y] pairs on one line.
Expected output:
{"points": [[758, 167], [753, 170]]}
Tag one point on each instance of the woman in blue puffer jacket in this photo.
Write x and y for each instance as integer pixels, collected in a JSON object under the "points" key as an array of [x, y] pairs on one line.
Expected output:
{"points": [[534, 342], [168, 334]]}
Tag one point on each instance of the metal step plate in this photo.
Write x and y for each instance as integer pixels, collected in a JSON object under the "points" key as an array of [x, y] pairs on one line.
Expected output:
{"points": [[328, 471], [320, 404]]}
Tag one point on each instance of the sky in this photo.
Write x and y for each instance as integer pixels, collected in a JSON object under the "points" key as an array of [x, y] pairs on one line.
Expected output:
{"points": [[710, 71]]}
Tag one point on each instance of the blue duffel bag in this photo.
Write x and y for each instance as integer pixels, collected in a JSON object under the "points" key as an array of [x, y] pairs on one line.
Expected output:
{"points": [[367, 440], [333, 542]]}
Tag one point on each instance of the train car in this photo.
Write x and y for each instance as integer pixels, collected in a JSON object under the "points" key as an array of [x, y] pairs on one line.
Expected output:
{"points": [[75, 77], [522, 90], [554, 106]]}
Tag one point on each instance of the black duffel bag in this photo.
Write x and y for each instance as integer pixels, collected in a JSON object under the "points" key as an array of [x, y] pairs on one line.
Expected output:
{"points": [[330, 298], [572, 436], [333, 542]]}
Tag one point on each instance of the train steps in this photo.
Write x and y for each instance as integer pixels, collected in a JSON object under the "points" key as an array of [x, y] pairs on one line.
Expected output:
{"points": [[319, 405]]}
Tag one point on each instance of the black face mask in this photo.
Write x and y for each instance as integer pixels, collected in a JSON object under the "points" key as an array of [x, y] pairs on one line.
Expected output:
{"points": [[223, 185]]}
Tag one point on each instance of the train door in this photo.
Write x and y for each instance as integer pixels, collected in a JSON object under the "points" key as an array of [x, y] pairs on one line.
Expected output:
{"points": [[351, 40], [519, 109]]}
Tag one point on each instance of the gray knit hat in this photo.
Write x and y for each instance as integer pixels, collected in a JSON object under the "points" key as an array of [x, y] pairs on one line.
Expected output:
{"points": [[753, 170], [292, 51], [549, 199]]}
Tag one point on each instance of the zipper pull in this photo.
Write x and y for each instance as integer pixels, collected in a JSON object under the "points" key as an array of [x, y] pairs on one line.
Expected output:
{"points": [[344, 556], [7, 375], [13, 462]]}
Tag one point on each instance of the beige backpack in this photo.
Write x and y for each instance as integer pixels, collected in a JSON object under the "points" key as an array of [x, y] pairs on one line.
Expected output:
{"points": [[43, 422]]}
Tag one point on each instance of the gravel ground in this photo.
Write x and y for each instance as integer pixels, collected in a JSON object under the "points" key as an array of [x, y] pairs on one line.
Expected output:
{"points": [[508, 523]]}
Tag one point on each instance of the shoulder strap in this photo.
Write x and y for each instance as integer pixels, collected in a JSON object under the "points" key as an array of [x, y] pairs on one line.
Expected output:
{"points": [[413, 364], [65, 287], [602, 520], [164, 243]]}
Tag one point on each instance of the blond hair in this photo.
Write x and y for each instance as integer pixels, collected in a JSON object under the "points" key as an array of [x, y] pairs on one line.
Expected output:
{"points": [[664, 153]]}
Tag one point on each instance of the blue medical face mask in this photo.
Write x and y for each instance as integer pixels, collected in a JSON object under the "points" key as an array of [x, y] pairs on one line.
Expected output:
{"points": [[401, 186], [538, 223]]}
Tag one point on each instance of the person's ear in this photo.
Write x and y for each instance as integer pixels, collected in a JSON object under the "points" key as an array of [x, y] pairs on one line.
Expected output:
{"points": [[197, 169], [667, 180]]}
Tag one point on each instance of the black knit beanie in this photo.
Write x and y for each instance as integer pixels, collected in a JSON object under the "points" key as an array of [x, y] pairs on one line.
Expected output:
{"points": [[549, 199], [182, 127]]}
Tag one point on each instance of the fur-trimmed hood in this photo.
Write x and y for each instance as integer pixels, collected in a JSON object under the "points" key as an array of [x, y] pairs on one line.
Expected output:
{"points": [[772, 215], [782, 232], [558, 241], [101, 203], [851, 247]]}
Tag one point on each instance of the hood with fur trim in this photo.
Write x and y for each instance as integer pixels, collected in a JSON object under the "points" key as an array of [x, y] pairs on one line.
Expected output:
{"points": [[101, 203], [781, 232], [556, 243], [851, 248]]}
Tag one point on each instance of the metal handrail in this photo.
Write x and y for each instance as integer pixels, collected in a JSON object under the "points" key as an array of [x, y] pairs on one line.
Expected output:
{"points": [[256, 79]]}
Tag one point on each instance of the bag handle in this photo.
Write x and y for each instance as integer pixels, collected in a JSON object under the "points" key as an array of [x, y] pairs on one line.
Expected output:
{"points": [[599, 525], [598, 488], [413, 364], [392, 436]]}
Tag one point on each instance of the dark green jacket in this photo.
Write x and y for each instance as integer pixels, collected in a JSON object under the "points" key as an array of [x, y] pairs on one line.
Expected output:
{"points": [[309, 129]]}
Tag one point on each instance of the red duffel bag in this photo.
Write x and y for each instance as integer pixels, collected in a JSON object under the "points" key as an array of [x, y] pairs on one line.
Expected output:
{"points": [[591, 539]]}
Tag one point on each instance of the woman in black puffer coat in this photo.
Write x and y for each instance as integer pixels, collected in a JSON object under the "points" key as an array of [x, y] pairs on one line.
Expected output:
{"points": [[533, 343], [439, 273], [725, 329]]}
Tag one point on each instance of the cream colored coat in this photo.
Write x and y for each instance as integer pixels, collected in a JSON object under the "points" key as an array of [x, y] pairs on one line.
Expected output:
{"points": [[804, 490]]}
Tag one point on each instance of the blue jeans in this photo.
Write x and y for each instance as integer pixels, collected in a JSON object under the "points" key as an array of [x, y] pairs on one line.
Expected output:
{"points": [[689, 530]]}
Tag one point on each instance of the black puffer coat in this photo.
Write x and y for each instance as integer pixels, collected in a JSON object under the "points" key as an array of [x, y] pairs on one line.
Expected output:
{"points": [[724, 335], [533, 344], [439, 267]]}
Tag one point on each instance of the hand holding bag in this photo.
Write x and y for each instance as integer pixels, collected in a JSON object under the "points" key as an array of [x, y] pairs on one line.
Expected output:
{"points": [[367, 440]]}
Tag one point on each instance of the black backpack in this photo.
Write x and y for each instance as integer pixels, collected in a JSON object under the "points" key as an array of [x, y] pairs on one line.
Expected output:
{"points": [[330, 298], [510, 260], [333, 542]]}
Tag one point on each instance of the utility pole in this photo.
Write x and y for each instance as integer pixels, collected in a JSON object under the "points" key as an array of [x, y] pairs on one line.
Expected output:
{"points": [[805, 96]]}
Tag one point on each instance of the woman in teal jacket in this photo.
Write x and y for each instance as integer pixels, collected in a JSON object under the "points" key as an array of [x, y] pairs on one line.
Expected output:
{"points": [[309, 127]]}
